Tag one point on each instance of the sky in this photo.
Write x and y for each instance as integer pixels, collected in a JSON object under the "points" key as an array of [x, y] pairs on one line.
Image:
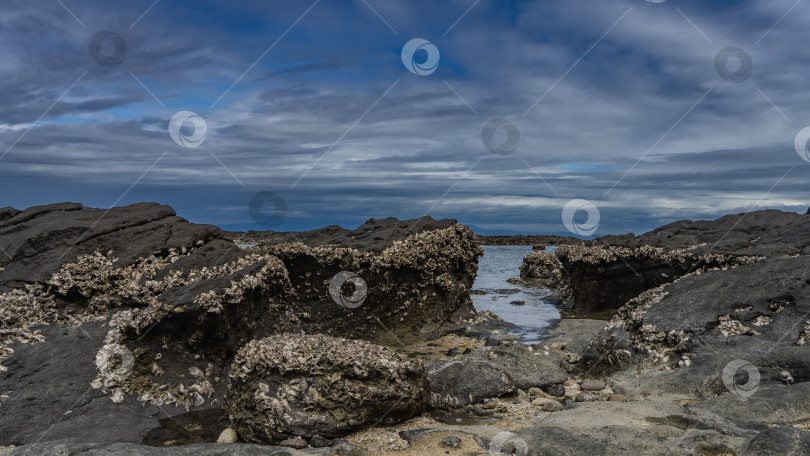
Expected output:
{"points": [[582, 117]]}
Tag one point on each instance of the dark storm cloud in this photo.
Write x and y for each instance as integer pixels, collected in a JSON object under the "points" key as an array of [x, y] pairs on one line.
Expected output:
{"points": [[329, 118]]}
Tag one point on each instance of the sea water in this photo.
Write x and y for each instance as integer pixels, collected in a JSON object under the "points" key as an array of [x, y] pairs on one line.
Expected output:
{"points": [[499, 263]]}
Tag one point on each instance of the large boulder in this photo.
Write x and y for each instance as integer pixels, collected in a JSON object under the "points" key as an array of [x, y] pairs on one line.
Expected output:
{"points": [[538, 264], [491, 373], [292, 385], [692, 336]]}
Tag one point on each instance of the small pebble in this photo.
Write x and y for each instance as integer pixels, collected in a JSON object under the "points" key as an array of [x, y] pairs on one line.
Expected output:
{"points": [[552, 406], [319, 442], [592, 385], [298, 443], [228, 436], [451, 441], [618, 398]]}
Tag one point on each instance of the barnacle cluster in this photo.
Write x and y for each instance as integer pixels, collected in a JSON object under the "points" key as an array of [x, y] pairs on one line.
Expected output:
{"points": [[594, 255], [289, 384], [728, 326], [538, 264], [804, 337], [658, 345]]}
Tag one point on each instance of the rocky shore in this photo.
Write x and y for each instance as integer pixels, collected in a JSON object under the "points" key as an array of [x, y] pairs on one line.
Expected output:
{"points": [[133, 331]]}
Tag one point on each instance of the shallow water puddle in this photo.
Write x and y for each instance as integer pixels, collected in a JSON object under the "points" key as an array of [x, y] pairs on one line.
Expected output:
{"points": [[526, 307]]}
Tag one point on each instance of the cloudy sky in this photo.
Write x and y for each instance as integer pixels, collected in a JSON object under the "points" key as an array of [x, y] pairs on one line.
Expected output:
{"points": [[639, 110]]}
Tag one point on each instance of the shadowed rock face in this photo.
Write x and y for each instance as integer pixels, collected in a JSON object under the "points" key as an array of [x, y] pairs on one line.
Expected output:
{"points": [[37, 241], [603, 279], [182, 300]]}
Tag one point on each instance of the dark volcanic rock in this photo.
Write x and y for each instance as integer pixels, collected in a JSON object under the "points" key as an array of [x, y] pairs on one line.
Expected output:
{"points": [[696, 326], [761, 233], [38, 240], [374, 234], [491, 373], [170, 304], [538, 264], [289, 385], [604, 278]]}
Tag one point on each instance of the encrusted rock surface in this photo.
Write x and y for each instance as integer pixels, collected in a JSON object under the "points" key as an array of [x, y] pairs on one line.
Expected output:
{"points": [[491, 373], [600, 279], [291, 385], [178, 300], [538, 264], [683, 334]]}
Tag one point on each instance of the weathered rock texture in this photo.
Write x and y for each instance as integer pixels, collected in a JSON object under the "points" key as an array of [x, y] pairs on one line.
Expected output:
{"points": [[682, 335], [291, 385], [538, 264], [604, 278], [178, 300], [490, 373]]}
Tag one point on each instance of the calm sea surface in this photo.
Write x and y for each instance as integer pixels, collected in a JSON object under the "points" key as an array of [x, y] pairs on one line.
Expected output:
{"points": [[499, 263]]}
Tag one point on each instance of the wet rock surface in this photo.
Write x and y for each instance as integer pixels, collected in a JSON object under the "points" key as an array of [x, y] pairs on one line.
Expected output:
{"points": [[493, 372], [288, 385]]}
